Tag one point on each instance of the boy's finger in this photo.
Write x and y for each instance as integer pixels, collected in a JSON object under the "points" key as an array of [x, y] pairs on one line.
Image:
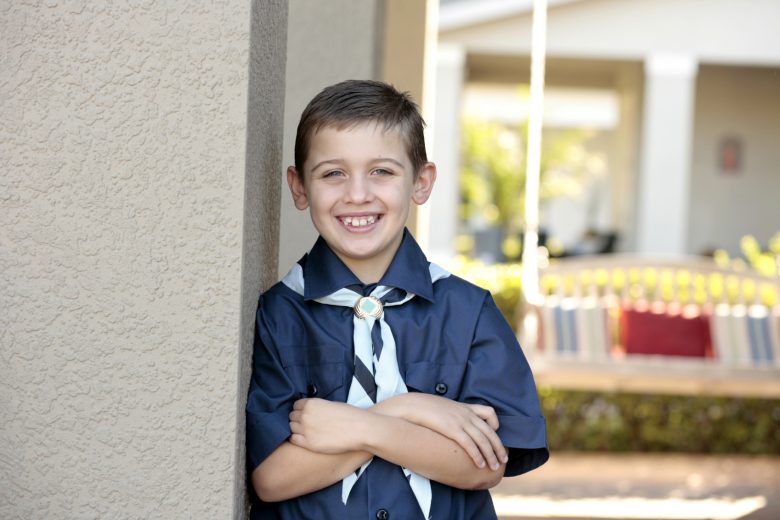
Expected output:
{"points": [[468, 445], [485, 447], [498, 446], [295, 416], [495, 441], [486, 413], [493, 438], [299, 404]]}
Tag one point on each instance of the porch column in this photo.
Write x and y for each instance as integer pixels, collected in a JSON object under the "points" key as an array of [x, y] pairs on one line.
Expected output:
{"points": [[667, 128], [443, 204]]}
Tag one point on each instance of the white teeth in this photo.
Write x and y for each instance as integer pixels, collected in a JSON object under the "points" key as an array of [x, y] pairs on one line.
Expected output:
{"points": [[359, 221]]}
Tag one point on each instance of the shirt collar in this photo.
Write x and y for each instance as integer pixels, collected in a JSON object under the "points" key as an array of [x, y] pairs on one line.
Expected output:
{"points": [[325, 273]]}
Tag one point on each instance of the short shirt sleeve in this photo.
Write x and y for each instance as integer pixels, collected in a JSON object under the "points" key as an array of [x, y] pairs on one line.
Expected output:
{"points": [[497, 374], [270, 398]]}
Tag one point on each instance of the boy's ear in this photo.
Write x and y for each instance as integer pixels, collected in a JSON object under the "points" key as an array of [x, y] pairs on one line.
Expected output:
{"points": [[423, 185], [297, 189]]}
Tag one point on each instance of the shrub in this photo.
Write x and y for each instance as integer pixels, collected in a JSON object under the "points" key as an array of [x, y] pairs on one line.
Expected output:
{"points": [[622, 422]]}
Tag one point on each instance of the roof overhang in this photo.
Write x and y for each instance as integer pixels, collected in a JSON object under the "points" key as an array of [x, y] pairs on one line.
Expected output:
{"points": [[465, 13]]}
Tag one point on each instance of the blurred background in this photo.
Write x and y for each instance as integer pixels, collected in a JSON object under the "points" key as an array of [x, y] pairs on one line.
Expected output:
{"points": [[655, 327], [143, 206]]}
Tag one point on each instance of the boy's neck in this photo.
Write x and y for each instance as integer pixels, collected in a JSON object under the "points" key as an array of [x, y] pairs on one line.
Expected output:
{"points": [[372, 269], [367, 271]]}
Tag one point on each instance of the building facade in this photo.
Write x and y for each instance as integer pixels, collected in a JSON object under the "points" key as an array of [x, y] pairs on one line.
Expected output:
{"points": [[691, 157]]}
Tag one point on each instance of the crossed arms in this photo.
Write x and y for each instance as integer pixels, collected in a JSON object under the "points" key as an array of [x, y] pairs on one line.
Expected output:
{"points": [[444, 440]]}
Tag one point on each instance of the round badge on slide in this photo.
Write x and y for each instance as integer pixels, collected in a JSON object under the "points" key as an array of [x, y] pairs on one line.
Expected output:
{"points": [[368, 306]]}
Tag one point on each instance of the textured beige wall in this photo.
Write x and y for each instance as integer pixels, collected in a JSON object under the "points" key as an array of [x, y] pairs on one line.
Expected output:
{"points": [[123, 132], [264, 138]]}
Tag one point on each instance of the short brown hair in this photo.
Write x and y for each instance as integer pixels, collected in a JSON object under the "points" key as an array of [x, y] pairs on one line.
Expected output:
{"points": [[352, 102]]}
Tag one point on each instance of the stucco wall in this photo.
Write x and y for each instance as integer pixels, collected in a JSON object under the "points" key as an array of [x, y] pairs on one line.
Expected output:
{"points": [[123, 132]]}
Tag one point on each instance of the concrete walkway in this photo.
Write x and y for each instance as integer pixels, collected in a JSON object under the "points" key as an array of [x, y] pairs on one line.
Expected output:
{"points": [[646, 486]]}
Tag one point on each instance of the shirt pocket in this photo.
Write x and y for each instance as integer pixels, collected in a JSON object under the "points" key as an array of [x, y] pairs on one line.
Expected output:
{"points": [[442, 379], [315, 370]]}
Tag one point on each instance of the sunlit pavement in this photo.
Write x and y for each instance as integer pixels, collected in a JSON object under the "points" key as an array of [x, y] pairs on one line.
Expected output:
{"points": [[692, 487]]}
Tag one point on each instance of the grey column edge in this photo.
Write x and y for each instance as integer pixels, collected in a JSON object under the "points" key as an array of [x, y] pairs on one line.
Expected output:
{"points": [[262, 191]]}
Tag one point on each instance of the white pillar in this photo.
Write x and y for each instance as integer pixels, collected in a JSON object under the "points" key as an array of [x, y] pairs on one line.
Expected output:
{"points": [[446, 153], [624, 169], [670, 82]]}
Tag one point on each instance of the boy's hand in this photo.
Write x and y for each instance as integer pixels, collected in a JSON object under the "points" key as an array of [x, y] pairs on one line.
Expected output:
{"points": [[472, 426], [325, 426]]}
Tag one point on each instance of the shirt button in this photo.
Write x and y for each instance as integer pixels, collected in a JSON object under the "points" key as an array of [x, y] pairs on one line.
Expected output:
{"points": [[382, 514], [441, 388], [311, 390]]}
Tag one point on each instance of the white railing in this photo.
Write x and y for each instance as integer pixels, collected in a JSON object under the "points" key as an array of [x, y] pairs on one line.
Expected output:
{"points": [[632, 323]]}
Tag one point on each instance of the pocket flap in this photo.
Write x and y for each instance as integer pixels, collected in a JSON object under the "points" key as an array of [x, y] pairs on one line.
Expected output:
{"points": [[316, 370]]}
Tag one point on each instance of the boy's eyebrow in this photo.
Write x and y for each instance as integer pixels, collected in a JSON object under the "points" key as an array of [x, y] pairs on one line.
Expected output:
{"points": [[390, 159], [341, 161], [326, 161]]}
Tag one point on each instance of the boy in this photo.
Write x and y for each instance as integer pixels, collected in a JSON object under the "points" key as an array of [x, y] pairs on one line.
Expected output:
{"points": [[382, 386]]}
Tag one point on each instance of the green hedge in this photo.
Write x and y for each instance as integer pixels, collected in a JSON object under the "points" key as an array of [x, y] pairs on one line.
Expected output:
{"points": [[597, 421]]}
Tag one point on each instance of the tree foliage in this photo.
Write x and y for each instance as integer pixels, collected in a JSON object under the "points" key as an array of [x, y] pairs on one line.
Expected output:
{"points": [[493, 171]]}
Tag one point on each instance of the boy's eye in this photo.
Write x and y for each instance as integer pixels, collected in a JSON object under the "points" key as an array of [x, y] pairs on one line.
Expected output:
{"points": [[382, 171], [333, 173]]}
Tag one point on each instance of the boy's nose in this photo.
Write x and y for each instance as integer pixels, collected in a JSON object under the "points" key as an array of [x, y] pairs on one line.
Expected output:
{"points": [[359, 189]]}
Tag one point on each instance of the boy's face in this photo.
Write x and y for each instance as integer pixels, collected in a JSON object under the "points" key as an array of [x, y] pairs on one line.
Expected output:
{"points": [[358, 184]]}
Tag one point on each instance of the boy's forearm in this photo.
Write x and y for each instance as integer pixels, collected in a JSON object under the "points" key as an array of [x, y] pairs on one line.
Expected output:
{"points": [[471, 426], [291, 471], [426, 452], [295, 469]]}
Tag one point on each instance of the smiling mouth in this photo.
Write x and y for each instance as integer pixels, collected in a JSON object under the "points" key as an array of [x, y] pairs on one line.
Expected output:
{"points": [[362, 221]]}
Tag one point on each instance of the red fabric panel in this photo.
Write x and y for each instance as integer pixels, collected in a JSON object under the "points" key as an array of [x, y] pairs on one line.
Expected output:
{"points": [[665, 334]]}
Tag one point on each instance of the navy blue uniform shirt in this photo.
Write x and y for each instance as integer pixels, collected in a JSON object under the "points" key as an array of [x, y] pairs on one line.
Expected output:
{"points": [[451, 341]]}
